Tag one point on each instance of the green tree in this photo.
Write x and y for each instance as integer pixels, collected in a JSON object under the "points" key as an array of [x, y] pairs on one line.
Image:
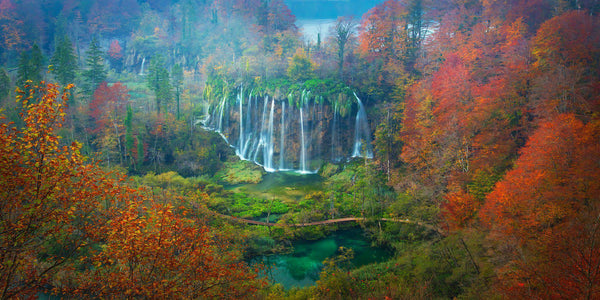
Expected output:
{"points": [[31, 65], [95, 72], [129, 144], [158, 81], [4, 84], [301, 67], [177, 78], [64, 61]]}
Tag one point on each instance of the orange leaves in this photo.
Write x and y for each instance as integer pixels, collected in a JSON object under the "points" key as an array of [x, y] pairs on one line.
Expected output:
{"points": [[382, 33], [548, 206], [158, 253], [459, 209], [566, 49]]}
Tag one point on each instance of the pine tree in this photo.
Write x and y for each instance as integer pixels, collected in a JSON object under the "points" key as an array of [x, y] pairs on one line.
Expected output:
{"points": [[95, 72], [177, 74], [31, 64], [158, 81], [64, 61], [4, 84]]}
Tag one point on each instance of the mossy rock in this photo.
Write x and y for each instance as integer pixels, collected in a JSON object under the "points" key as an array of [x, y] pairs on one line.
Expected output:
{"points": [[329, 170], [236, 172]]}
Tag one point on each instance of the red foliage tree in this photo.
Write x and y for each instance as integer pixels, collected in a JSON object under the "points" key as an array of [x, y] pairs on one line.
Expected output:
{"points": [[107, 110], [544, 213], [567, 53]]}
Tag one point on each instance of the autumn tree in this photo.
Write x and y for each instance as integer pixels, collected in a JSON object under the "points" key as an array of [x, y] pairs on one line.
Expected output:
{"points": [[544, 214], [566, 49], [11, 30], [161, 253], [69, 228], [115, 55], [107, 109], [47, 195]]}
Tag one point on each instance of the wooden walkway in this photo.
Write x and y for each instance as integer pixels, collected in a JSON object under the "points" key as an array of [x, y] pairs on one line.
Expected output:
{"points": [[332, 221]]}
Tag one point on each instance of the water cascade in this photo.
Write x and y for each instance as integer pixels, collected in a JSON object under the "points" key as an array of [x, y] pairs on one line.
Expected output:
{"points": [[299, 137], [362, 134], [269, 151], [142, 68], [282, 138], [303, 146]]}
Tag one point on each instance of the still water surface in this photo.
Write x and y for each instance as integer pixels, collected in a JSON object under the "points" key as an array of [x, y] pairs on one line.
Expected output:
{"points": [[302, 267]]}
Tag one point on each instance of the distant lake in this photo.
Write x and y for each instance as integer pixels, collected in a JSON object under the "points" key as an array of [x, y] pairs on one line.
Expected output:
{"points": [[314, 16]]}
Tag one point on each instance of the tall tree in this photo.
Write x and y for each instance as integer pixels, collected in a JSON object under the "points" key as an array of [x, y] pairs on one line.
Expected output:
{"points": [[158, 81], [343, 31], [64, 61], [31, 65], [177, 79], [95, 73], [47, 194], [4, 84]]}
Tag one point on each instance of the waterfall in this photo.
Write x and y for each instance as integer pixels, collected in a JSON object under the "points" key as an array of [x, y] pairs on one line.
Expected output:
{"points": [[301, 149], [270, 142], [282, 140], [263, 132], [334, 140], [240, 150], [362, 134], [249, 130], [142, 68], [303, 146], [222, 107]]}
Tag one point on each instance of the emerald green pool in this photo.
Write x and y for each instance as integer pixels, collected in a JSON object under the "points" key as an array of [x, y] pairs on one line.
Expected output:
{"points": [[302, 267]]}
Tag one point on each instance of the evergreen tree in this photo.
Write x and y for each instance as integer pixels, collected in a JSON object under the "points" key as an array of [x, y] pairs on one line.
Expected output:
{"points": [[177, 74], [95, 72], [64, 61], [31, 64], [4, 84], [129, 137], [158, 81]]}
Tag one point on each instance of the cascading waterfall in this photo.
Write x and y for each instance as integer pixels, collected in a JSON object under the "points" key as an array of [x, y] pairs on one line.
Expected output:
{"points": [[222, 108], [142, 68], [334, 135], [263, 132], [269, 151], [362, 134], [282, 139], [297, 137], [240, 150], [303, 146]]}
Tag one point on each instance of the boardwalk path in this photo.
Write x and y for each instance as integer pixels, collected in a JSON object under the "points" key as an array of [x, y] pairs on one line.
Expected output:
{"points": [[332, 221]]}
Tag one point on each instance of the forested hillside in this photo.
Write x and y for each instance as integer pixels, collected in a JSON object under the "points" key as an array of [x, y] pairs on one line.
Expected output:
{"points": [[462, 136]]}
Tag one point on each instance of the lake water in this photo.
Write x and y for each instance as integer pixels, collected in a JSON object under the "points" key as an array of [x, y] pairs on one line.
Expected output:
{"points": [[314, 16], [302, 267]]}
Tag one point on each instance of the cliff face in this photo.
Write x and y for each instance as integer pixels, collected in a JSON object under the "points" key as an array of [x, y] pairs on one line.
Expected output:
{"points": [[291, 133]]}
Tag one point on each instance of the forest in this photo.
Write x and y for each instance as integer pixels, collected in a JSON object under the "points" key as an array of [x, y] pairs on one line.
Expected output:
{"points": [[195, 148]]}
